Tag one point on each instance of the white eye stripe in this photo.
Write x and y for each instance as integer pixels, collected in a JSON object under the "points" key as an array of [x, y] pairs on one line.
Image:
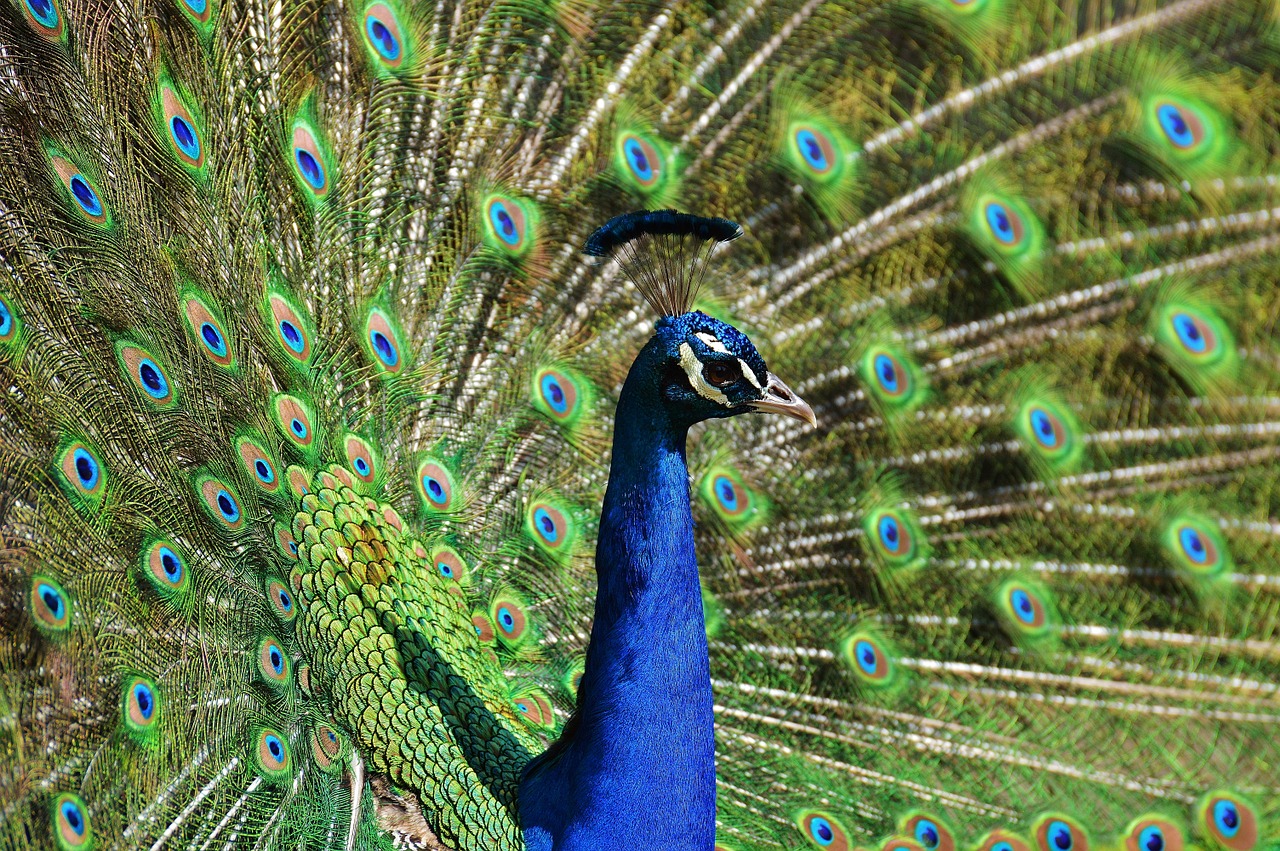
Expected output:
{"points": [[693, 368], [712, 342], [715, 345]]}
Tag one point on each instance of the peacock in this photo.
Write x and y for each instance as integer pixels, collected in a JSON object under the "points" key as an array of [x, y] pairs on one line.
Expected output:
{"points": [[561, 424]]}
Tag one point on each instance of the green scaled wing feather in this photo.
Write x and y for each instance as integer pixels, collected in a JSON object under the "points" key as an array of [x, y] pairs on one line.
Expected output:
{"points": [[306, 392]]}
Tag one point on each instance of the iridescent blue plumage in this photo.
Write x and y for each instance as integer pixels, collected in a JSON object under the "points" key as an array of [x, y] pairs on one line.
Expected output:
{"points": [[646, 689]]}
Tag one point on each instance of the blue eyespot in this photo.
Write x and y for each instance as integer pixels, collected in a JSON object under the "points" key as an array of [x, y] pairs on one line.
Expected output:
{"points": [[311, 170], [213, 339], [1000, 222], [550, 527], [44, 13], [510, 224], [866, 656], [276, 658], [445, 570], [503, 225], [639, 161], [49, 605], [1226, 817], [85, 196], [505, 619], [185, 137], [892, 538], [298, 427], [153, 381], [435, 490], [52, 598], [890, 532], [382, 31], [171, 565], [812, 151], [72, 816], [141, 704], [545, 525], [273, 754], [197, 6], [383, 348], [1002, 846], [927, 834], [558, 394], [821, 832], [227, 506], [554, 394], [726, 493], [1175, 126], [1042, 427], [1151, 839], [292, 336], [1060, 835], [1022, 607], [437, 486], [382, 39], [1193, 545], [887, 373], [86, 469], [1189, 333], [142, 697], [382, 339], [263, 470], [6, 319], [362, 466], [280, 599]]}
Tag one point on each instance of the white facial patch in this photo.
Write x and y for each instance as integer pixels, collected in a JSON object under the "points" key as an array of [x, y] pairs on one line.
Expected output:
{"points": [[693, 368], [715, 345], [712, 342]]}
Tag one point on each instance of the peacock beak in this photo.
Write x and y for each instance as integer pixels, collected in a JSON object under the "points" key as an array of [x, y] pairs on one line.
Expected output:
{"points": [[780, 399]]}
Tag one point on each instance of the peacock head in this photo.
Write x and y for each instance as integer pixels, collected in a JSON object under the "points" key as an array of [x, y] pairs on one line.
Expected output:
{"points": [[712, 370], [706, 368]]}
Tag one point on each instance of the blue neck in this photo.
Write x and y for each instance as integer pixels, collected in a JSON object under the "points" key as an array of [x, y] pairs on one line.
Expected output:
{"points": [[636, 764]]}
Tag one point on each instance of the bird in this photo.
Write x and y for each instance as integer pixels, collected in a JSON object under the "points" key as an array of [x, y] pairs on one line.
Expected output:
{"points": [[547, 425]]}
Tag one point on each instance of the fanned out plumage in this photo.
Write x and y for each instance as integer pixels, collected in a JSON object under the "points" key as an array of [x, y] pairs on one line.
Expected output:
{"points": [[305, 385]]}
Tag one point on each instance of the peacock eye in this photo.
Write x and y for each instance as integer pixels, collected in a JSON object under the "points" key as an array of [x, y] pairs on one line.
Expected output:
{"points": [[721, 373]]}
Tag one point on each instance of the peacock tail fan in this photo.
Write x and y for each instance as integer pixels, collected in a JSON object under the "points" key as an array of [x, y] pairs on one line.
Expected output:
{"points": [[306, 385]]}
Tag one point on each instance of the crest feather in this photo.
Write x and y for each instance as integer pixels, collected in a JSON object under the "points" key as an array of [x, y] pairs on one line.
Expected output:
{"points": [[665, 253]]}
